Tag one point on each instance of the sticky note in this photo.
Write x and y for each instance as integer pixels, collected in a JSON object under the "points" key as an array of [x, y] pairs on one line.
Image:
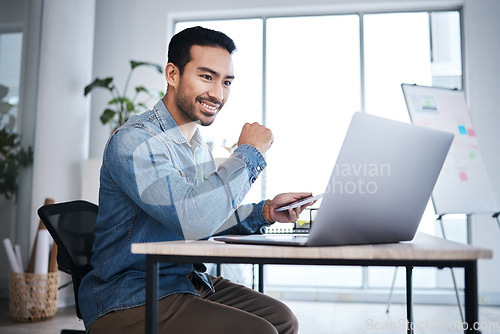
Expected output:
{"points": [[473, 154], [302, 223], [471, 132], [428, 104], [462, 130], [463, 176]]}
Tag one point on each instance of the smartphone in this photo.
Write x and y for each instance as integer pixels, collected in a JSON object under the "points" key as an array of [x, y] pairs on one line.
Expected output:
{"points": [[300, 202]]}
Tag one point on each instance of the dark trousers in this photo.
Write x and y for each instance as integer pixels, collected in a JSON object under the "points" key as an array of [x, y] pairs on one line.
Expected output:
{"points": [[233, 308]]}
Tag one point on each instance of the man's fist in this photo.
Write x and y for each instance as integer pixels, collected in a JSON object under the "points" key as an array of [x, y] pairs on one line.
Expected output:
{"points": [[256, 135]]}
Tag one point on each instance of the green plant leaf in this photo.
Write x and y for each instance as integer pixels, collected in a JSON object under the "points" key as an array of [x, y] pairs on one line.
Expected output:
{"points": [[139, 89], [118, 100], [124, 106], [5, 107], [134, 64], [130, 105], [4, 90], [99, 83], [25, 157], [13, 158], [107, 116], [9, 141]]}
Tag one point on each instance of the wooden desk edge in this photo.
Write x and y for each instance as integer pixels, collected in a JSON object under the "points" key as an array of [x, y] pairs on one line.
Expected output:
{"points": [[423, 247]]}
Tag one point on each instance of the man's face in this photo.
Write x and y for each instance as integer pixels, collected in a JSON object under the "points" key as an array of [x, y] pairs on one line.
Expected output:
{"points": [[205, 83]]}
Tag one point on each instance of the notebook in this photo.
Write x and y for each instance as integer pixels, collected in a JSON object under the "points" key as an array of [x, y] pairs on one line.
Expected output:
{"points": [[378, 189]]}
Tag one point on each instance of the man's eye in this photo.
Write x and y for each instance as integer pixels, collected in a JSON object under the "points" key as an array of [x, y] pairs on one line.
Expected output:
{"points": [[228, 83], [206, 77]]}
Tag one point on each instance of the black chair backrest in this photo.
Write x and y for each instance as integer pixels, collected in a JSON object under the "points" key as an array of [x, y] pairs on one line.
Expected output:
{"points": [[71, 226]]}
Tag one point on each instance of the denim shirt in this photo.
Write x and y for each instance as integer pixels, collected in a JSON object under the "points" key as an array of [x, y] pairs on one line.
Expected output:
{"points": [[156, 186]]}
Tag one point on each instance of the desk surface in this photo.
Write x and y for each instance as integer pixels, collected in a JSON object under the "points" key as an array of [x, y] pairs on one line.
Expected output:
{"points": [[423, 247]]}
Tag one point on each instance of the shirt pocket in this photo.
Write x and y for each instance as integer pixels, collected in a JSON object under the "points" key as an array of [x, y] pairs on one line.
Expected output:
{"points": [[186, 174]]}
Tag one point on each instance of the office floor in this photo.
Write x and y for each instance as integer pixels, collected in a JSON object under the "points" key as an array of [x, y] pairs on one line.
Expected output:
{"points": [[314, 318]]}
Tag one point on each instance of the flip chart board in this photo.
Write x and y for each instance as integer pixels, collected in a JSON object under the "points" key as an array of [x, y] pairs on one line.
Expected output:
{"points": [[463, 185]]}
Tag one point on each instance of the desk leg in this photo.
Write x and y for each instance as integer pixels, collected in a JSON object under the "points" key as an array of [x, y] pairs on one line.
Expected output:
{"points": [[471, 300], [151, 295], [261, 278], [409, 299]]}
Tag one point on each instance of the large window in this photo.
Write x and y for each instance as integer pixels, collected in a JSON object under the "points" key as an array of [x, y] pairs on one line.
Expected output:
{"points": [[313, 87], [245, 102], [305, 76], [10, 69]]}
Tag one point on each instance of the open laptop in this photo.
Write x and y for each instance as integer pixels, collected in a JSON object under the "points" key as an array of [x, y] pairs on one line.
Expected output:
{"points": [[378, 189]]}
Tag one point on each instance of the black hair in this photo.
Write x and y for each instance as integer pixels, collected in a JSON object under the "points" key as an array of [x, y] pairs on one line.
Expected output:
{"points": [[179, 48]]}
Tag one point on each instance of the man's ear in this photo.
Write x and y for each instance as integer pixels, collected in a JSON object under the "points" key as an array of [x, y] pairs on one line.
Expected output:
{"points": [[172, 74]]}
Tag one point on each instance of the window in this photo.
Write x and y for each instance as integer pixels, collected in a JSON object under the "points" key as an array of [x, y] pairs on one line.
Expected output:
{"points": [[313, 87], [305, 76], [10, 67], [245, 102]]}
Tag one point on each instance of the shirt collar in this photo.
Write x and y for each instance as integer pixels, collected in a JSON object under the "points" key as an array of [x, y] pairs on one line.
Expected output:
{"points": [[170, 127]]}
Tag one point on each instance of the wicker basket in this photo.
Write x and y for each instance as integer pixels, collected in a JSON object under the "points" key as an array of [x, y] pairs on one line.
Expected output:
{"points": [[33, 297]]}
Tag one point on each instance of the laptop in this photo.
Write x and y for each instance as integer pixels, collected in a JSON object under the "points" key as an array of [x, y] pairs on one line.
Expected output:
{"points": [[379, 187]]}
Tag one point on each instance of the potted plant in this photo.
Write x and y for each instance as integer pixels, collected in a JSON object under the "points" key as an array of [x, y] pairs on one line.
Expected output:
{"points": [[13, 157], [121, 107]]}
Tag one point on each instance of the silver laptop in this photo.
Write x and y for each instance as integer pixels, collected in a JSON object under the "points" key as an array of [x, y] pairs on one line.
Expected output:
{"points": [[379, 187]]}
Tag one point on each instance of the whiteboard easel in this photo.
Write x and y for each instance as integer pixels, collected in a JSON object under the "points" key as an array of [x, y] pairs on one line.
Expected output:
{"points": [[463, 185]]}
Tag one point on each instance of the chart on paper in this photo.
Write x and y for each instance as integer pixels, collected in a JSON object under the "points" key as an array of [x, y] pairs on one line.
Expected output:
{"points": [[463, 185]]}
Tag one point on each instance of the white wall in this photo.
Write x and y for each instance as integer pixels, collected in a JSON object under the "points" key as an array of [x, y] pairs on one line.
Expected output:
{"points": [[62, 118], [482, 71]]}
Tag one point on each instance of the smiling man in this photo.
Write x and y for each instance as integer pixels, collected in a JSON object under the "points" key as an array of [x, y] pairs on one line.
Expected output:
{"points": [[213, 83], [159, 182]]}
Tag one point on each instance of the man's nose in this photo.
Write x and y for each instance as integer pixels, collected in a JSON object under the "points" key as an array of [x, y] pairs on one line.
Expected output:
{"points": [[217, 91]]}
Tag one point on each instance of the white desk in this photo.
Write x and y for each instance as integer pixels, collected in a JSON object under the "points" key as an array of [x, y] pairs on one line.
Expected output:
{"points": [[423, 251]]}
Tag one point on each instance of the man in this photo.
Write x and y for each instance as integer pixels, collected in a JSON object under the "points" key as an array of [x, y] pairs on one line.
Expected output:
{"points": [[159, 183]]}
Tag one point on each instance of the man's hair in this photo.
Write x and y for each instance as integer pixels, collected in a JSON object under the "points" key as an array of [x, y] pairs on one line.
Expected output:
{"points": [[179, 48]]}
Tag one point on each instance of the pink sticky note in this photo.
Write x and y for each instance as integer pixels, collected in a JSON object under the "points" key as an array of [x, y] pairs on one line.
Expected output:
{"points": [[463, 176], [471, 132]]}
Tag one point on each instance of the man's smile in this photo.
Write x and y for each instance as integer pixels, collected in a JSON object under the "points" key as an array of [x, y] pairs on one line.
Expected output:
{"points": [[210, 107]]}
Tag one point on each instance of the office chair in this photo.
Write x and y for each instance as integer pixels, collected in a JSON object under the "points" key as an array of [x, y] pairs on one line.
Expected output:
{"points": [[71, 224]]}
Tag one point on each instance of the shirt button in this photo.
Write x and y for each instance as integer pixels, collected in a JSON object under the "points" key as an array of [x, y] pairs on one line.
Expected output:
{"points": [[259, 168]]}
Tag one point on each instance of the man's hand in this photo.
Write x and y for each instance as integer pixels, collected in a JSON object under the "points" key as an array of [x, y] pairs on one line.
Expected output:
{"points": [[289, 216], [256, 135]]}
